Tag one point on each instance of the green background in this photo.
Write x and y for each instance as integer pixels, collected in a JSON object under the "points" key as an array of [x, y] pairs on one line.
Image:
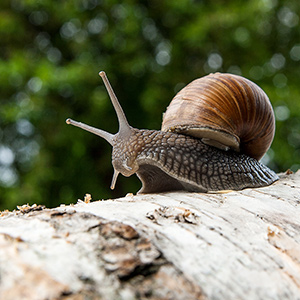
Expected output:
{"points": [[50, 56]]}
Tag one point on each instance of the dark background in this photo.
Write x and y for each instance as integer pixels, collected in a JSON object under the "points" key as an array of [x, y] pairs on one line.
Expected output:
{"points": [[50, 56]]}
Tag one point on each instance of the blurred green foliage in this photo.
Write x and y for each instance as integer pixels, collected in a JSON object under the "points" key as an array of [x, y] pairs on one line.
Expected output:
{"points": [[50, 56]]}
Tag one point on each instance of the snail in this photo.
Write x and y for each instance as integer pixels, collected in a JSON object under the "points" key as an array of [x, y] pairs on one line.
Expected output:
{"points": [[213, 134]]}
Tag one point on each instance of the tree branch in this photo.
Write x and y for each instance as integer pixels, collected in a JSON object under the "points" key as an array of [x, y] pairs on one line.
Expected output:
{"points": [[233, 245]]}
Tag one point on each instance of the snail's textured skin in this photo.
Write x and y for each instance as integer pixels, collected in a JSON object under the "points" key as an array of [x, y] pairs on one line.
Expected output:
{"points": [[167, 161]]}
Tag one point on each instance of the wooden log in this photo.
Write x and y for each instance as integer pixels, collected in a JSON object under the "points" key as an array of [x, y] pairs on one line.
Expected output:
{"points": [[232, 245]]}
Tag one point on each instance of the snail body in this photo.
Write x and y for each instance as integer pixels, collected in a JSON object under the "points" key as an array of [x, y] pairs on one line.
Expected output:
{"points": [[172, 159]]}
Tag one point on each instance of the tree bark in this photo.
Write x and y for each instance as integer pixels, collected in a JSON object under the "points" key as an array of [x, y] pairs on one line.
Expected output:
{"points": [[230, 245]]}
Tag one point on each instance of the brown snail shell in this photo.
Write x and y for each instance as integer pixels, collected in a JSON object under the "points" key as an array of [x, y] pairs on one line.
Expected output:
{"points": [[226, 111]]}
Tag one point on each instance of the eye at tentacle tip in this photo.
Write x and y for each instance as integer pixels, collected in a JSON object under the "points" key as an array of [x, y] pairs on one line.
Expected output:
{"points": [[102, 74]]}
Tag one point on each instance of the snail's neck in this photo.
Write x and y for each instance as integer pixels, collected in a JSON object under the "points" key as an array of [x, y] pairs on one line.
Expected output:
{"points": [[128, 147], [162, 148]]}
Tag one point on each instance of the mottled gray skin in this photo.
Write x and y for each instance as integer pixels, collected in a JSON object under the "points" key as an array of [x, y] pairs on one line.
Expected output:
{"points": [[166, 161]]}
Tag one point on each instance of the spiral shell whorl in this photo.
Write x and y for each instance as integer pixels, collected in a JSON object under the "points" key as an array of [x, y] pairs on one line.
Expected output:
{"points": [[226, 108]]}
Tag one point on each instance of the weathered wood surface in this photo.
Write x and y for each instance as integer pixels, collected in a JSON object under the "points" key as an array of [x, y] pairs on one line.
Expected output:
{"points": [[235, 245]]}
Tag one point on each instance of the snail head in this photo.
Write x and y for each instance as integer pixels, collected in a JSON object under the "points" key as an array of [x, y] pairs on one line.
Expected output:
{"points": [[122, 161]]}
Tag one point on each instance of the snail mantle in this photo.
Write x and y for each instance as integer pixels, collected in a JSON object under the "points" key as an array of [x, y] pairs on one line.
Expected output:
{"points": [[235, 245]]}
